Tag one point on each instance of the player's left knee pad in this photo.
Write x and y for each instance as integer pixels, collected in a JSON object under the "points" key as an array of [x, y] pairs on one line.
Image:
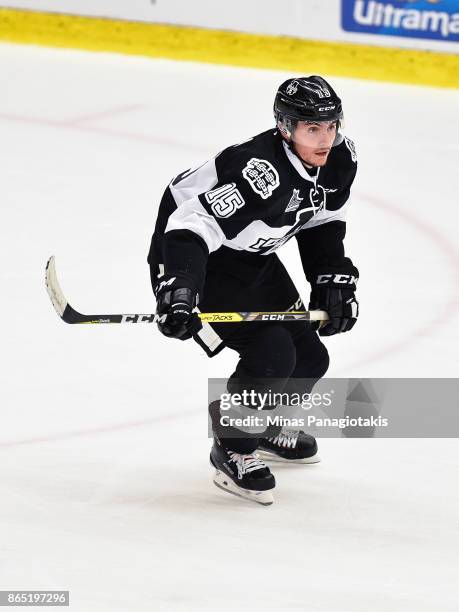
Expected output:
{"points": [[312, 362], [271, 355]]}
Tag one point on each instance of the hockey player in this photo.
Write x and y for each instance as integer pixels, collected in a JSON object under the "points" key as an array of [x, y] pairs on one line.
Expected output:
{"points": [[214, 244]]}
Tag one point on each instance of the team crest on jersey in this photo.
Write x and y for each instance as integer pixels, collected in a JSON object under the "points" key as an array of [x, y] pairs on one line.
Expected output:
{"points": [[351, 146], [295, 201], [225, 200], [262, 176]]}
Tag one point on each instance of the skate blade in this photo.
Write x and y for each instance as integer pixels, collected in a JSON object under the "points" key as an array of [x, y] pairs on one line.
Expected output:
{"points": [[223, 482], [267, 456]]}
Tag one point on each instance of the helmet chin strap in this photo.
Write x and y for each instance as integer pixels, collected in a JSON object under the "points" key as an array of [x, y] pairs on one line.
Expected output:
{"points": [[287, 137], [291, 146]]}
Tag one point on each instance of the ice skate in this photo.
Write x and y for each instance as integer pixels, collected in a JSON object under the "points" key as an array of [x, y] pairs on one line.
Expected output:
{"points": [[289, 446], [243, 475]]}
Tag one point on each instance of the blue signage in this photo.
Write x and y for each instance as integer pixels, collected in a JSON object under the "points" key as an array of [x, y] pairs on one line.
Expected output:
{"points": [[438, 19]]}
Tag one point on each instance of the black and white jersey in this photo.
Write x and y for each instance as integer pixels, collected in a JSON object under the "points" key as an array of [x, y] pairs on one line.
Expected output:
{"points": [[222, 222]]}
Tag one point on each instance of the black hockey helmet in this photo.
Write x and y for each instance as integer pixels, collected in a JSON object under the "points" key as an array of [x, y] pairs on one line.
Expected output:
{"points": [[308, 98]]}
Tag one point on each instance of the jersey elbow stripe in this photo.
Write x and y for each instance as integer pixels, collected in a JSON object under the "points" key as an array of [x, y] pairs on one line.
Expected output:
{"points": [[199, 223]]}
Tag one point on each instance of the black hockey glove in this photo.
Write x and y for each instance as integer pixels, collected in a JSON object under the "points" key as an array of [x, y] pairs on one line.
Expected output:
{"points": [[176, 297], [333, 290]]}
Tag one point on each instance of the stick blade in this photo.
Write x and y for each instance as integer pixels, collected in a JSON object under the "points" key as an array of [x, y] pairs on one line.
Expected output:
{"points": [[54, 290]]}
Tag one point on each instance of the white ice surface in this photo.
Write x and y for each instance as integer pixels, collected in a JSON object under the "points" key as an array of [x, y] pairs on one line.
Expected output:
{"points": [[105, 486]]}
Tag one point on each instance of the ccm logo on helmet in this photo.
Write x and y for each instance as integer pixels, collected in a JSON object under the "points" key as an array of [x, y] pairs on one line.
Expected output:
{"points": [[341, 279], [326, 108]]}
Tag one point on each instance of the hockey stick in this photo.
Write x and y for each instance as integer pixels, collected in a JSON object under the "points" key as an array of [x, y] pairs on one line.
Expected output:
{"points": [[70, 315]]}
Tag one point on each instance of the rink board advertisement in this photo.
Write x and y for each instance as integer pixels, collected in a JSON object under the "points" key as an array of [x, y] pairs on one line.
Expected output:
{"points": [[428, 24], [432, 19]]}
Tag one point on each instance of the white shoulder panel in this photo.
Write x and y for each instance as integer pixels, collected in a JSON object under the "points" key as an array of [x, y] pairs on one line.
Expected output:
{"points": [[326, 216], [193, 182], [192, 216]]}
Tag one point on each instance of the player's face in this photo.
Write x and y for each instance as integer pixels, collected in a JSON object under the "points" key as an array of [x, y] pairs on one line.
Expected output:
{"points": [[313, 141]]}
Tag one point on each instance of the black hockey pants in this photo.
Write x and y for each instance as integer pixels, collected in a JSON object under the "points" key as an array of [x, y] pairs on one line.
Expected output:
{"points": [[280, 351]]}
